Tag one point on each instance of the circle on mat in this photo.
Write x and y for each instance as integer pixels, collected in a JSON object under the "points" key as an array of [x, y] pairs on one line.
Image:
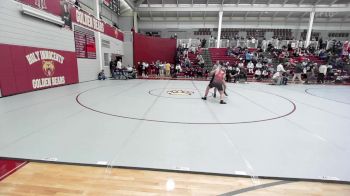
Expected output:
{"points": [[339, 94], [243, 106], [180, 92]]}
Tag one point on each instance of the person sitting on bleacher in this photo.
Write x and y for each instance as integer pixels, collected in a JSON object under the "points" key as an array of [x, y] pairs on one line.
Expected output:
{"points": [[234, 74], [187, 72], [322, 73], [192, 73], [185, 53], [199, 72], [241, 64], [265, 74], [229, 51], [250, 67], [178, 68], [258, 65], [187, 62], [257, 74], [200, 60], [242, 75], [248, 56]]}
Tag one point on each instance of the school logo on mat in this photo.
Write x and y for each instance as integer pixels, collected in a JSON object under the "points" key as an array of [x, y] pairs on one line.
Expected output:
{"points": [[180, 92]]}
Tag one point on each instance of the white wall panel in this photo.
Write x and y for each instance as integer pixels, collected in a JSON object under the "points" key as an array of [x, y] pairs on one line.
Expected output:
{"points": [[115, 47], [24, 30]]}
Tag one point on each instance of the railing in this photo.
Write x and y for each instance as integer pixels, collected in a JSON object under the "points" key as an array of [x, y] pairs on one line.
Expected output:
{"points": [[187, 43], [224, 43]]}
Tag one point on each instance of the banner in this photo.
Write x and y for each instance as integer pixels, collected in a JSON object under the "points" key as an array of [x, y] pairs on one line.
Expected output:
{"points": [[25, 69], [70, 14], [51, 6], [91, 22], [85, 46]]}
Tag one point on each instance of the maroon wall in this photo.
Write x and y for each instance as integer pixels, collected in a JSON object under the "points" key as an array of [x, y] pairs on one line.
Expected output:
{"points": [[151, 49], [18, 74]]}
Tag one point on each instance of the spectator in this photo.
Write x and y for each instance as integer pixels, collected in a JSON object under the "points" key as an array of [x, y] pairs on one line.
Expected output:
{"points": [[280, 69], [265, 74], [204, 41], [167, 69], [322, 73], [298, 70], [139, 68], [187, 62], [257, 74], [112, 68], [77, 4], [145, 69], [279, 79], [200, 60], [248, 56], [264, 45], [258, 65], [185, 53], [161, 68], [131, 72], [276, 78], [241, 64], [178, 68], [119, 65], [250, 67], [310, 74], [101, 75]]}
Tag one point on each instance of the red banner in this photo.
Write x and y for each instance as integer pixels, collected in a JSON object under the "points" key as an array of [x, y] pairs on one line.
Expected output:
{"points": [[91, 22], [51, 6], [58, 7], [24, 69]]}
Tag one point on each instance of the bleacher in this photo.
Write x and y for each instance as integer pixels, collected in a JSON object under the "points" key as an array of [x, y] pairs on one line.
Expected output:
{"points": [[203, 31], [220, 54], [228, 33]]}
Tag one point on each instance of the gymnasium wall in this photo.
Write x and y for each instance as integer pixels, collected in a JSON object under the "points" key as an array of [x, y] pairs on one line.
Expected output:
{"points": [[128, 58], [19, 29], [89, 67], [110, 47], [126, 23], [151, 49], [38, 54], [34, 54]]}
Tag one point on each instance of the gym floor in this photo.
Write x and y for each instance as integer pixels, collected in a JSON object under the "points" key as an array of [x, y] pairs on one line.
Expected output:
{"points": [[293, 131]]}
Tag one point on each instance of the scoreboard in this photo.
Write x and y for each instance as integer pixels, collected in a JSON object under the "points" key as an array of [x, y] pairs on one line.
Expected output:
{"points": [[114, 5]]}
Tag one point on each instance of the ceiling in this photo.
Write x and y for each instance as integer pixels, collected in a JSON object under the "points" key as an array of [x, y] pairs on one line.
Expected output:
{"points": [[240, 10]]}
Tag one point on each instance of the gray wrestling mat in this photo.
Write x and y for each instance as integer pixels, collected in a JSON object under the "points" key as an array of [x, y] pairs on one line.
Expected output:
{"points": [[294, 131]]}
